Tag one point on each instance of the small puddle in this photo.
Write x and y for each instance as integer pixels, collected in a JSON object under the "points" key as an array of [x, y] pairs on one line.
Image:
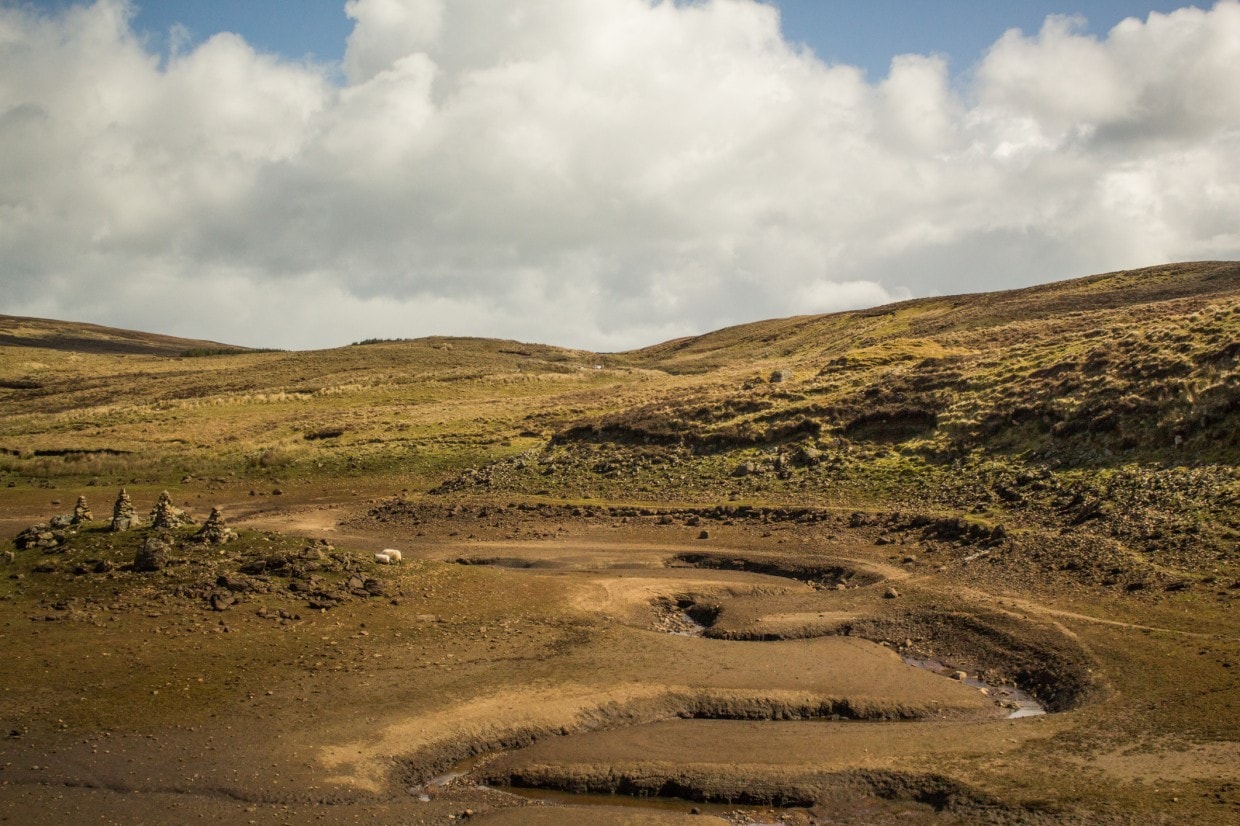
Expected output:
{"points": [[1019, 703], [683, 617], [439, 781]]}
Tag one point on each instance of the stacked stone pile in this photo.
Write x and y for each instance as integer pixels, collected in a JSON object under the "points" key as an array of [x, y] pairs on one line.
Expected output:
{"points": [[215, 531], [81, 512], [124, 517], [40, 536], [168, 517]]}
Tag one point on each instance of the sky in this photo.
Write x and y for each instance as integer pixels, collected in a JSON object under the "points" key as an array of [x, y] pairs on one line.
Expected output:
{"points": [[605, 174]]}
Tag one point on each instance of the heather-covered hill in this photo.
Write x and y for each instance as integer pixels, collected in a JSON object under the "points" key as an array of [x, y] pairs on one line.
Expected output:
{"points": [[76, 337]]}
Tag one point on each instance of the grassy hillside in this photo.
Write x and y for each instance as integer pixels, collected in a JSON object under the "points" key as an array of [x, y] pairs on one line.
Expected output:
{"points": [[1108, 406]]}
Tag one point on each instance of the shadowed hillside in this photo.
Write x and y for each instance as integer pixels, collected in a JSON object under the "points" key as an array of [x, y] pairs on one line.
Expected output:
{"points": [[74, 337]]}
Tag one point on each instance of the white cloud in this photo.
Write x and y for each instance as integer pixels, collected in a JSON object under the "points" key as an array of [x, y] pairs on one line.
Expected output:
{"points": [[603, 174]]}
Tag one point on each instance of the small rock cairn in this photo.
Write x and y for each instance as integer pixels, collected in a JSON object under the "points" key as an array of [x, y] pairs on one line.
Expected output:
{"points": [[167, 516], [81, 512], [124, 516], [214, 531]]}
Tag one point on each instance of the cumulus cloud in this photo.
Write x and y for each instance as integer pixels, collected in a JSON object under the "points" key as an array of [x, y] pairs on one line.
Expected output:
{"points": [[603, 175]]}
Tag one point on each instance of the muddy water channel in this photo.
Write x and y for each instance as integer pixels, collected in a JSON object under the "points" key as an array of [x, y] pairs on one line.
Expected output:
{"points": [[686, 618], [1018, 702], [771, 688]]}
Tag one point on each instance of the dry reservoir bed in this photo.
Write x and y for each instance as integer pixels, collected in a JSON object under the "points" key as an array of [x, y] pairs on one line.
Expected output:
{"points": [[744, 680]]}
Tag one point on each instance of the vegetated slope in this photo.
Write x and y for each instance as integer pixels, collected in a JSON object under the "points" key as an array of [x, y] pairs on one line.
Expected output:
{"points": [[1139, 363], [407, 408], [76, 337], [1065, 302], [1105, 409]]}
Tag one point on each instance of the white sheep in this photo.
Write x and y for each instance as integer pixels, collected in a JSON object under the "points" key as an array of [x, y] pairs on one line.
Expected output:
{"points": [[383, 559], [393, 554]]}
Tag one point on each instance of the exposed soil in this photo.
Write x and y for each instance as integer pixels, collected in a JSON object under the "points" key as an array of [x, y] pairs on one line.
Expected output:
{"points": [[552, 660]]}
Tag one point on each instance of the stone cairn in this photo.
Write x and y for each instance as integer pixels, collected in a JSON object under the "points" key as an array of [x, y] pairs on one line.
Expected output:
{"points": [[54, 533], [40, 536], [214, 531], [81, 512], [167, 516], [124, 516]]}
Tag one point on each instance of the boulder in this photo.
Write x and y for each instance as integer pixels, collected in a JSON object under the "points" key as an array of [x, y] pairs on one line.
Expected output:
{"points": [[222, 601], [745, 469], [809, 456], [153, 555]]}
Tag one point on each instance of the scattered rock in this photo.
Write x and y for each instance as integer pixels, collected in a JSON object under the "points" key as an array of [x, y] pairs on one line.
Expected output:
{"points": [[704, 535], [891, 593], [222, 600]]}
